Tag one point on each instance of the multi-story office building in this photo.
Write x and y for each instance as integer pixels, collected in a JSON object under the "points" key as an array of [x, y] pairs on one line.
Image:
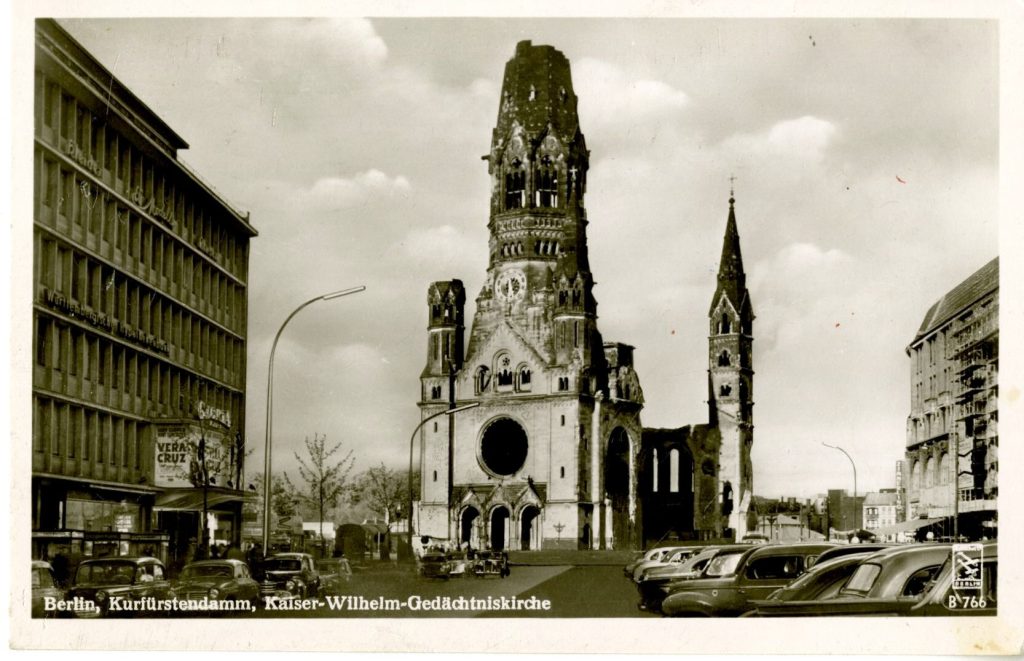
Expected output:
{"points": [[952, 426], [139, 321], [879, 510]]}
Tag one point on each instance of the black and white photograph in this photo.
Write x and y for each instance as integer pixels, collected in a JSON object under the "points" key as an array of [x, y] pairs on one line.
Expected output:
{"points": [[595, 320]]}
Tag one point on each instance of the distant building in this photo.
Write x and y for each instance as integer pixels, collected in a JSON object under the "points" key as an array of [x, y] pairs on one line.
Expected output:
{"points": [[879, 510], [954, 362], [140, 315], [843, 511]]}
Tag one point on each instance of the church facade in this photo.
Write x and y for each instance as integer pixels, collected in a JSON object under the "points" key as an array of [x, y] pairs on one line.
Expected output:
{"points": [[552, 453]]}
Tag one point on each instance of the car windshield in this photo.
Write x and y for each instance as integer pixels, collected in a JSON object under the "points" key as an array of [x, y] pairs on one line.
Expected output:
{"points": [[207, 571], [723, 565], [42, 578], [105, 573], [679, 556], [283, 564], [698, 561], [862, 580]]}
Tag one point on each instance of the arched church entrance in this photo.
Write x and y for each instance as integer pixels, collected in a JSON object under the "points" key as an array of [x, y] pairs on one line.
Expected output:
{"points": [[616, 485], [468, 531], [499, 528], [529, 535]]}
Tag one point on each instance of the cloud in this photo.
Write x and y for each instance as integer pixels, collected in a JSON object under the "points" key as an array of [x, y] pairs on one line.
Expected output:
{"points": [[804, 139], [339, 192], [610, 96]]}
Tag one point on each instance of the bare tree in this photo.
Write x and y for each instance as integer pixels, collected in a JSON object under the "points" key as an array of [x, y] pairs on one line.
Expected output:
{"points": [[382, 490], [324, 478]]}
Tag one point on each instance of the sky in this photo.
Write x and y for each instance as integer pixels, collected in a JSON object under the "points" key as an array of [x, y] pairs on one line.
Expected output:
{"points": [[866, 164]]}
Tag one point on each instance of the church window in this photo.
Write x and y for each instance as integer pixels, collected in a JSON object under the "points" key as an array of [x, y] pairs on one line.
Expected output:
{"points": [[723, 359], [673, 467], [576, 296], [547, 184], [435, 476], [515, 186], [563, 383], [504, 373], [563, 297], [575, 334], [725, 390], [435, 310], [435, 425], [561, 472], [483, 379], [524, 378], [654, 470], [725, 327], [435, 392], [563, 420]]}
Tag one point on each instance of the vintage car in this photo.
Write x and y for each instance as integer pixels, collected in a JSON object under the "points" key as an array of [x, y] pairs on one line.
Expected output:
{"points": [[117, 586], [671, 565], [335, 575], [657, 559], [216, 580], [490, 563], [887, 582], [848, 549], [288, 576], [43, 586], [966, 584], [731, 581], [822, 581], [655, 583], [641, 557], [444, 563]]}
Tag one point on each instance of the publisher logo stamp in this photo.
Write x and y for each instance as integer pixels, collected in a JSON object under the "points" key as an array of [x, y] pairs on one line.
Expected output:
{"points": [[967, 561]]}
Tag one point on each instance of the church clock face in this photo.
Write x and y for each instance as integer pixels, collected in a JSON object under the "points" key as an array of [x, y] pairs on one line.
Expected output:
{"points": [[510, 285]]}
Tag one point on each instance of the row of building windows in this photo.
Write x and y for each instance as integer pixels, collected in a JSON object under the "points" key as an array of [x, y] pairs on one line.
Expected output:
{"points": [[75, 209], [75, 432], [72, 128], [79, 363], [572, 335], [934, 473], [97, 292]]}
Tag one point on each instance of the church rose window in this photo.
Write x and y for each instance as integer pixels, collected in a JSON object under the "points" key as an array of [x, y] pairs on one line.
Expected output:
{"points": [[503, 447]]}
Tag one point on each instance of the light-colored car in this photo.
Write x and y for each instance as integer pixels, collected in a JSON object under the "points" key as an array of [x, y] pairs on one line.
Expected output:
{"points": [[43, 586], [658, 558]]}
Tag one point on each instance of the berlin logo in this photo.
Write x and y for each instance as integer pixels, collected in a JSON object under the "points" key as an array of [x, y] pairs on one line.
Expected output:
{"points": [[967, 559]]}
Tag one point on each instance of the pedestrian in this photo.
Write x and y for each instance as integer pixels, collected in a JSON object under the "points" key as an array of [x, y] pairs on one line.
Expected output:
{"points": [[234, 553], [61, 570], [214, 552]]}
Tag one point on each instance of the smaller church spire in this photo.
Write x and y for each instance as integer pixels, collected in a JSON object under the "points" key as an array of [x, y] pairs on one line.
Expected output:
{"points": [[732, 280]]}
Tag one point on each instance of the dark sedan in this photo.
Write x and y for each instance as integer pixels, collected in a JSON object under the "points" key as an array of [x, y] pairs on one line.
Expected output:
{"points": [[888, 582], [727, 586], [117, 586], [216, 580]]}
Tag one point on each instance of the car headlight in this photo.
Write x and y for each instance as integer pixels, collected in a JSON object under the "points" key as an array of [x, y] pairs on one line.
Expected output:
{"points": [[101, 596], [214, 593], [290, 585]]}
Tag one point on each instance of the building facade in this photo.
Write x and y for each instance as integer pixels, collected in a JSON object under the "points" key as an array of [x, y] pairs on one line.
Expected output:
{"points": [[554, 455], [952, 429], [880, 510], [139, 324]]}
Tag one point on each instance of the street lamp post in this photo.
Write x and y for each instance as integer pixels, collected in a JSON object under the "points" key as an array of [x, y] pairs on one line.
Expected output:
{"points": [[856, 525], [270, 391], [412, 442]]}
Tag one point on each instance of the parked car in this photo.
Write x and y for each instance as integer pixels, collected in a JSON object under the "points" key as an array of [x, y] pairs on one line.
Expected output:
{"points": [[731, 581], [822, 581], [216, 579], [944, 598], [335, 575], [103, 584], [654, 585], [43, 586], [641, 557], [847, 549], [490, 563], [672, 562], [662, 555], [289, 575], [887, 582]]}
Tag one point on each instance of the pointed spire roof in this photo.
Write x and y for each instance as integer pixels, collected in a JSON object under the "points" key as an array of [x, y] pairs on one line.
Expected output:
{"points": [[732, 280]]}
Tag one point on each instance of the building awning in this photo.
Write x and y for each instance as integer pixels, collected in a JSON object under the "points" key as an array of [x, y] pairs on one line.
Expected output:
{"points": [[191, 500], [906, 526]]}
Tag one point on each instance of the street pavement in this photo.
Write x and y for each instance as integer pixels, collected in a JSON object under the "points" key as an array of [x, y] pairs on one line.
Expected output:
{"points": [[390, 591]]}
